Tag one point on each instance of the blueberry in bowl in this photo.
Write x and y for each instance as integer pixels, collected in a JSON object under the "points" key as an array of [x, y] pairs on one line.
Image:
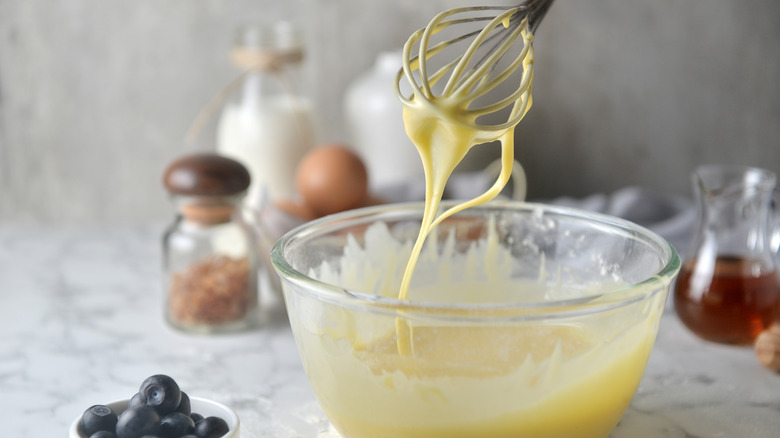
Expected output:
{"points": [[159, 410]]}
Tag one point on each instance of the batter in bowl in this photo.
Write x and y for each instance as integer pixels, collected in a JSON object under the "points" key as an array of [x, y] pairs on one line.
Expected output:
{"points": [[568, 378]]}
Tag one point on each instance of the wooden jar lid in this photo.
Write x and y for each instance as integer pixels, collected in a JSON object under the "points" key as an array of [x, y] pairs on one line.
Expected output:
{"points": [[206, 174]]}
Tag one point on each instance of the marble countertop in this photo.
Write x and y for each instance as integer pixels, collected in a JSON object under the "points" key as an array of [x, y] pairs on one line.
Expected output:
{"points": [[81, 323]]}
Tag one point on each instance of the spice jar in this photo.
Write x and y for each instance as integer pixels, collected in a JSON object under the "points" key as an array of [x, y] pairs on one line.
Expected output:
{"points": [[209, 252]]}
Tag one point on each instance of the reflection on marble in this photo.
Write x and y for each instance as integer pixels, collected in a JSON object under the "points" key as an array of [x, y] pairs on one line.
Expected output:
{"points": [[81, 323]]}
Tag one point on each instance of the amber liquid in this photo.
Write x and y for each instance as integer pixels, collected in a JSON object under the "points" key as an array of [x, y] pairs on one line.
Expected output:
{"points": [[728, 304]]}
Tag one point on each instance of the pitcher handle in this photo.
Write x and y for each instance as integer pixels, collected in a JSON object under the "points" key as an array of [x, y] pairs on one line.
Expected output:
{"points": [[774, 241]]}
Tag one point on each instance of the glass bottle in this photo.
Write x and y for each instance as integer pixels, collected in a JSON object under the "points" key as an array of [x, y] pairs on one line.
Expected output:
{"points": [[728, 289], [268, 123], [209, 252]]}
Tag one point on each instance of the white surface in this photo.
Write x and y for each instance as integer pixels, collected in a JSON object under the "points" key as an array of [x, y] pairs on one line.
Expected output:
{"points": [[81, 322]]}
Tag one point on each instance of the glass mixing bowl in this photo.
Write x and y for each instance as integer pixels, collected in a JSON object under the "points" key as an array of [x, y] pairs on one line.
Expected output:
{"points": [[522, 319]]}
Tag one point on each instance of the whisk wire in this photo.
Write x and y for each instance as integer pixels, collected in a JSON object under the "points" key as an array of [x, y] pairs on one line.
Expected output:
{"points": [[502, 34], [439, 47], [434, 78], [484, 87], [407, 70], [503, 103], [436, 25], [466, 58], [489, 64]]}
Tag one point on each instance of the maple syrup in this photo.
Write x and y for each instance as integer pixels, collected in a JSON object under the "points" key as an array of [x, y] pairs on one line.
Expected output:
{"points": [[731, 301]]}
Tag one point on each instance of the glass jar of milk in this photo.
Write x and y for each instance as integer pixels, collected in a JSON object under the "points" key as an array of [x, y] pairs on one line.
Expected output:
{"points": [[267, 125]]}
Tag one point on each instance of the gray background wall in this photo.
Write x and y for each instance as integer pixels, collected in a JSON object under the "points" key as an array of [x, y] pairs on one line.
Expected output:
{"points": [[96, 96]]}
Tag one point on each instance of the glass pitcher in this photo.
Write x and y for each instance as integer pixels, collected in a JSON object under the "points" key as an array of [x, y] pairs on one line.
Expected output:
{"points": [[728, 289]]}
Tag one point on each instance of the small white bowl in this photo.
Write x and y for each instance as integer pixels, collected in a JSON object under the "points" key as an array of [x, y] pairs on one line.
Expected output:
{"points": [[207, 408]]}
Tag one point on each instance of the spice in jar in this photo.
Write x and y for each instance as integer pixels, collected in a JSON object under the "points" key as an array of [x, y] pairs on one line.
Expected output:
{"points": [[213, 291], [210, 253]]}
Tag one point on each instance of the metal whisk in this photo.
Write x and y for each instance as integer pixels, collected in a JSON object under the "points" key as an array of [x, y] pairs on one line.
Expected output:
{"points": [[473, 73], [433, 115]]}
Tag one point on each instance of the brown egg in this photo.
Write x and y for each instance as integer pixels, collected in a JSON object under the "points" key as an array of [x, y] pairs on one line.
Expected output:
{"points": [[371, 201], [332, 178], [295, 208]]}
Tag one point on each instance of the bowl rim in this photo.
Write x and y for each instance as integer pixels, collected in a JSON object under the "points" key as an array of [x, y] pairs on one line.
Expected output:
{"points": [[233, 420], [606, 300]]}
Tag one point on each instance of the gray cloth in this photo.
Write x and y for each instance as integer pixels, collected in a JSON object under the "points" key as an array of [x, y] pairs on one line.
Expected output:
{"points": [[672, 217]]}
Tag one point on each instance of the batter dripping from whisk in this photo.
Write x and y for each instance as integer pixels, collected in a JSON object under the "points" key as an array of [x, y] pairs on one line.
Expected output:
{"points": [[445, 127]]}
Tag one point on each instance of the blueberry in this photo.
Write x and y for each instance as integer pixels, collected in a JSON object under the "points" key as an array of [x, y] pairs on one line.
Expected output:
{"points": [[97, 418], [137, 422], [211, 427], [162, 393], [184, 405], [175, 425], [103, 434], [196, 417], [137, 400]]}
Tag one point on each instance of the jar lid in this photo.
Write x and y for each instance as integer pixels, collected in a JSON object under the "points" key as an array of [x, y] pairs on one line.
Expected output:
{"points": [[206, 174]]}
